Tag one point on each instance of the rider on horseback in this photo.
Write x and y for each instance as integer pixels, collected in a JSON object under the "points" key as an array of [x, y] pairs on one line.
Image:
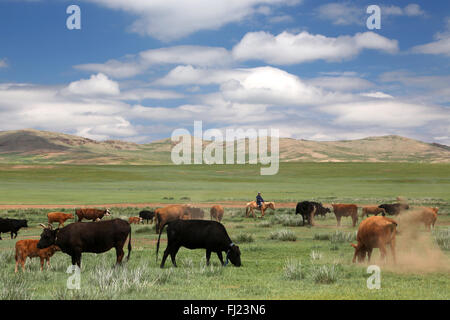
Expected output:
{"points": [[259, 200]]}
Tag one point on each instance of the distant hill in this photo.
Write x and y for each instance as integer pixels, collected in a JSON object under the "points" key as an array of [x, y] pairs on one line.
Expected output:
{"points": [[43, 147]]}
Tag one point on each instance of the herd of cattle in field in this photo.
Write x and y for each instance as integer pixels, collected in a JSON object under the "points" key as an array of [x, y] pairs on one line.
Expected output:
{"points": [[186, 228]]}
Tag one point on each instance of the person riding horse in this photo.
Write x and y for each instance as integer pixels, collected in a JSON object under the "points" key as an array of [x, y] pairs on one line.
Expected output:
{"points": [[259, 200]]}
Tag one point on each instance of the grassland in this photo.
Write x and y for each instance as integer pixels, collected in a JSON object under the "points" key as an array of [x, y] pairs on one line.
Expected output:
{"points": [[313, 263], [360, 182], [272, 269]]}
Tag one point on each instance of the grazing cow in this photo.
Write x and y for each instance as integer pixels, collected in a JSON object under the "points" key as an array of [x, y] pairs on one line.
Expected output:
{"points": [[135, 220], [199, 234], [308, 209], [91, 214], [395, 208], [28, 248], [147, 215], [345, 210], [216, 212], [12, 225], [375, 232], [170, 213], [374, 210], [250, 206], [59, 217], [195, 213], [79, 237]]}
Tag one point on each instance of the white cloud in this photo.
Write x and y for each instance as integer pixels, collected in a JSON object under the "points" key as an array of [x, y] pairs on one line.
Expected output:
{"points": [[385, 113], [173, 19], [377, 94], [440, 46], [136, 64], [345, 13], [341, 83], [287, 48], [96, 85], [3, 63]]}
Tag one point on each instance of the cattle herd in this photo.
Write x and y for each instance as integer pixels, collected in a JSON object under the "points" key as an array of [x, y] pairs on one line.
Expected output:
{"points": [[186, 228]]}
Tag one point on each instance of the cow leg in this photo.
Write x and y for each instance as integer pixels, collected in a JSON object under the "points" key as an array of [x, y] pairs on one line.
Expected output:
{"points": [[42, 263], [76, 259], [369, 254], [208, 256], [338, 221], [119, 253], [173, 254], [17, 266], [383, 253], [220, 256], [22, 262]]}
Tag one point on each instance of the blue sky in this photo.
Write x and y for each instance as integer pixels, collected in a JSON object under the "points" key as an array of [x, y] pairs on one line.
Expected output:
{"points": [[137, 70]]}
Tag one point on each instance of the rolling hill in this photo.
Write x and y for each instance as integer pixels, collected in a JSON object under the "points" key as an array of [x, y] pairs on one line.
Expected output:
{"points": [[43, 147]]}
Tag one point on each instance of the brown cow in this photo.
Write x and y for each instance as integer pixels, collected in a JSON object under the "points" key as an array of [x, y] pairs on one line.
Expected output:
{"points": [[170, 213], [427, 216], [91, 214], [374, 210], [216, 212], [345, 210], [375, 232], [28, 248], [59, 217], [135, 220]]}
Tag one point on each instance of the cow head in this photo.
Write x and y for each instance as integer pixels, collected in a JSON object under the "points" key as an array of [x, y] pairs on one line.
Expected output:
{"points": [[360, 253], [234, 255], [23, 223], [48, 237], [108, 213]]}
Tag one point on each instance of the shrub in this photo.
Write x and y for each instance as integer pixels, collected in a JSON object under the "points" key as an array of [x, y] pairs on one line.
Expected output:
{"points": [[315, 255], [283, 235], [442, 238], [325, 274], [293, 270], [340, 236], [244, 238]]}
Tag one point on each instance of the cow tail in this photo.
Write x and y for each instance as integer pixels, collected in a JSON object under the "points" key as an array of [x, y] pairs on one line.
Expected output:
{"points": [[159, 238], [129, 245]]}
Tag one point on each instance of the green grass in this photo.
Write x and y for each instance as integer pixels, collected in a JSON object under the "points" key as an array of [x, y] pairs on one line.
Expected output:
{"points": [[361, 182], [271, 269], [317, 265]]}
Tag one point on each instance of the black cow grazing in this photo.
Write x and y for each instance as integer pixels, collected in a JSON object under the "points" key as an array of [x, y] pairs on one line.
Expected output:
{"points": [[394, 209], [81, 237], [199, 234], [147, 215], [12, 225], [308, 209]]}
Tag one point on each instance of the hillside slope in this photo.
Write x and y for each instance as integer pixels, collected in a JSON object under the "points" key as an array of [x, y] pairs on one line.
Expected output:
{"points": [[34, 146]]}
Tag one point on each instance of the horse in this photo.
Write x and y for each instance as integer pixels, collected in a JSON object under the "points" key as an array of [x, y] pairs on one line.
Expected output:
{"points": [[252, 205]]}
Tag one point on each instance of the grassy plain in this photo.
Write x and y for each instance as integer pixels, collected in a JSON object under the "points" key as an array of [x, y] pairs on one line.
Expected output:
{"points": [[317, 265]]}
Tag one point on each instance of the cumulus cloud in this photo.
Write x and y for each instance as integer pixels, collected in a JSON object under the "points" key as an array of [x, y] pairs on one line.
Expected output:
{"points": [[440, 46], [341, 83], [98, 84], [287, 48], [173, 19]]}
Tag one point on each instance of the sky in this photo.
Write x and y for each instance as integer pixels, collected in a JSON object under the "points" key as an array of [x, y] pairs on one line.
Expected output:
{"points": [[138, 69]]}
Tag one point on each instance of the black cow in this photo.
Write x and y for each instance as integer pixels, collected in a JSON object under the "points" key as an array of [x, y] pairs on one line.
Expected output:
{"points": [[199, 234], [395, 208], [147, 215], [81, 237], [308, 209], [12, 225]]}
